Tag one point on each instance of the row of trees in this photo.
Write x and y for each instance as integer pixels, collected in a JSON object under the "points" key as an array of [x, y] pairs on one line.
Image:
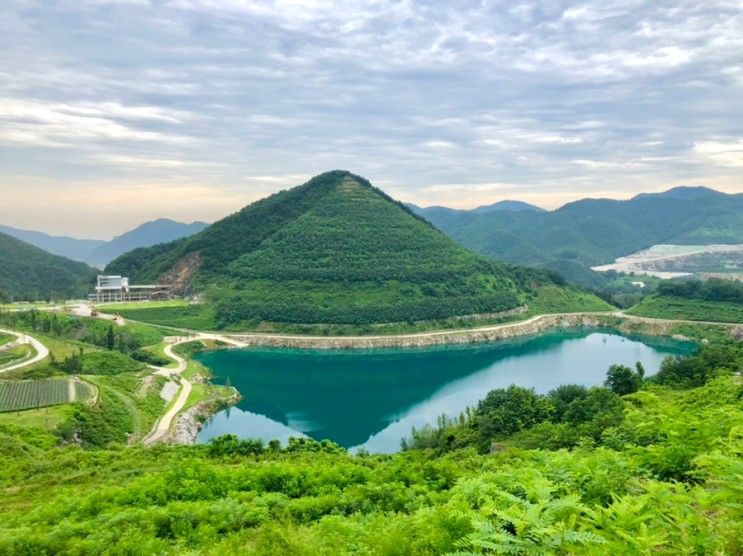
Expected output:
{"points": [[236, 309], [715, 289]]}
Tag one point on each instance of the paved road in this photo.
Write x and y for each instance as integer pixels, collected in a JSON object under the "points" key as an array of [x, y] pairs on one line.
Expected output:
{"points": [[41, 351]]}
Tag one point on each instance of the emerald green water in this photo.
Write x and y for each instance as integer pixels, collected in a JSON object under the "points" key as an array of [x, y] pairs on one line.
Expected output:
{"points": [[372, 398]]}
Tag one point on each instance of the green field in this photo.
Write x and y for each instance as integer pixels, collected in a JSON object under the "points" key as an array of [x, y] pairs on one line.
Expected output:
{"points": [[667, 307], [196, 317], [114, 308], [25, 394]]}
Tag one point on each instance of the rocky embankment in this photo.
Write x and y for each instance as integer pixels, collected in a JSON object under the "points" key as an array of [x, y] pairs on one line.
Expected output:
{"points": [[535, 325], [191, 421], [530, 326]]}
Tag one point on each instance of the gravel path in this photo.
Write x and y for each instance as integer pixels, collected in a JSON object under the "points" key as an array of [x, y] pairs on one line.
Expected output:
{"points": [[41, 351]]}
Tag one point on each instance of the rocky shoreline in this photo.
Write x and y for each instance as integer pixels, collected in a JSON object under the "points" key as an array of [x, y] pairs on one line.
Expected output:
{"points": [[191, 421], [535, 325]]}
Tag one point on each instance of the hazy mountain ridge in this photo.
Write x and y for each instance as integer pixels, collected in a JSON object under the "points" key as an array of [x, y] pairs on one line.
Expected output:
{"points": [[162, 230], [98, 252], [64, 246]]}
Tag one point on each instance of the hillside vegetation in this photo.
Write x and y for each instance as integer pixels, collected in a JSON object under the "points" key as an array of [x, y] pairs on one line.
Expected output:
{"points": [[28, 273], [596, 231], [335, 250], [713, 300], [632, 468]]}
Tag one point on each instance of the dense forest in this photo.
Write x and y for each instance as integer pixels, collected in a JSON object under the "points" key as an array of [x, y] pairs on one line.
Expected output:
{"points": [[715, 289], [335, 250], [639, 466], [28, 273]]}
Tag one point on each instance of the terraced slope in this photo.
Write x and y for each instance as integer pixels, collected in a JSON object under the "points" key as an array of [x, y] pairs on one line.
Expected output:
{"points": [[334, 250]]}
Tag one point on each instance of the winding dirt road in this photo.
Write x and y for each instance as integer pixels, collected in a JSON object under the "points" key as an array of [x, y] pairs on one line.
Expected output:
{"points": [[41, 351]]}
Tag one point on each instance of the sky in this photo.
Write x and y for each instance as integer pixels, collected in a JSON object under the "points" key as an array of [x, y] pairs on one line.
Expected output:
{"points": [[114, 113]]}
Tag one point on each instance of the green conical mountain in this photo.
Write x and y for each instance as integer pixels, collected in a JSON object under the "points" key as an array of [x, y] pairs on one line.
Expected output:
{"points": [[334, 250], [27, 272]]}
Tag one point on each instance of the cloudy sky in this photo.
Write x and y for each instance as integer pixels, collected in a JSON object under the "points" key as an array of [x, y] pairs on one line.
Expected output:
{"points": [[112, 113]]}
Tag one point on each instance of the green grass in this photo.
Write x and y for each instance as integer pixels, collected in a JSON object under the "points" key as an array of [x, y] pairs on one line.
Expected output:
{"points": [[46, 418], [666, 307], [159, 351], [196, 317], [5, 338], [134, 305], [125, 411], [551, 299]]}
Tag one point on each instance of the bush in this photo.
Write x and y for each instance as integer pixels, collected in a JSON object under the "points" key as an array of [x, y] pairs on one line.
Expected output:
{"points": [[623, 380], [108, 363], [698, 369]]}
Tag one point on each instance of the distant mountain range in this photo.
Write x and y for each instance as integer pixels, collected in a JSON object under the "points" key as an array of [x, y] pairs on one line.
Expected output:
{"points": [[595, 231], [98, 252], [506, 205]]}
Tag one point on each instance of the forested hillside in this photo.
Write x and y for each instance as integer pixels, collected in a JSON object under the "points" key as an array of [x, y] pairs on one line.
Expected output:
{"points": [[714, 300], [29, 273], [335, 250], [595, 231]]}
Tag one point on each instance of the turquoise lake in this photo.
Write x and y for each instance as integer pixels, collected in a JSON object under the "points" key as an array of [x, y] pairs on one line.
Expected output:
{"points": [[372, 398]]}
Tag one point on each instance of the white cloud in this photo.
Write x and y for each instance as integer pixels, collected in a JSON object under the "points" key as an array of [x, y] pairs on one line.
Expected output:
{"points": [[59, 124], [723, 153], [439, 144], [544, 97]]}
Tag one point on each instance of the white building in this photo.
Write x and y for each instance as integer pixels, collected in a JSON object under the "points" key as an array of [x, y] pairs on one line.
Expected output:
{"points": [[116, 288]]}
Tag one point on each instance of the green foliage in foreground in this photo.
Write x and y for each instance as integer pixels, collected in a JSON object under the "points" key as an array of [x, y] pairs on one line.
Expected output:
{"points": [[667, 307], [670, 484]]}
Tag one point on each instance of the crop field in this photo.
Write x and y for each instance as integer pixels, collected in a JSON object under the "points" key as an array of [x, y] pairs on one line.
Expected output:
{"points": [[16, 395]]}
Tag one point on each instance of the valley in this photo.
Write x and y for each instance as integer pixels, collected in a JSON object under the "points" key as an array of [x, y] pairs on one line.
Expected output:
{"points": [[328, 329]]}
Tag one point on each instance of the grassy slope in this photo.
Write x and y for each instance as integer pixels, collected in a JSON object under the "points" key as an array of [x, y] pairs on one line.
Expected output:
{"points": [[667, 307], [634, 498]]}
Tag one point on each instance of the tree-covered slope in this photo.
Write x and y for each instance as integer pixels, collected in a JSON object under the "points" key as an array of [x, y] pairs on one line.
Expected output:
{"points": [[27, 272], [595, 231], [335, 250]]}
